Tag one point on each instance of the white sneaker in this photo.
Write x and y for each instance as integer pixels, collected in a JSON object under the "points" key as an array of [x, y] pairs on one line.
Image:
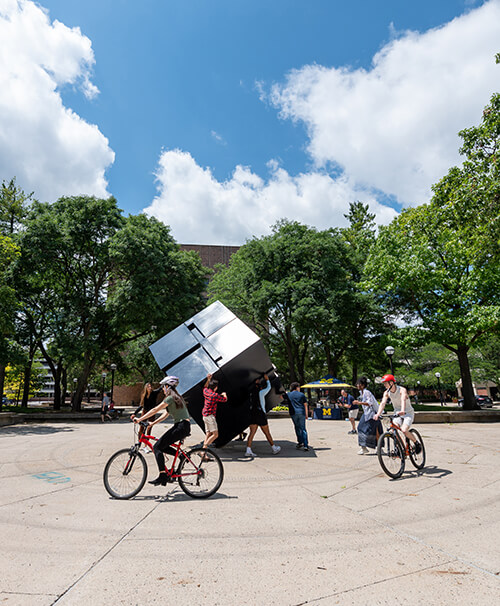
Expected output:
{"points": [[363, 450], [276, 449], [145, 450], [249, 453]]}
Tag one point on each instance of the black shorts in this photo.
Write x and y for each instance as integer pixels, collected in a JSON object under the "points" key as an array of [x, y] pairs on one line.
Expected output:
{"points": [[258, 417]]}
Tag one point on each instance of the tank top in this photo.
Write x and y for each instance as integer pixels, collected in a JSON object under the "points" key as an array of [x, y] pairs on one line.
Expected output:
{"points": [[396, 401]]}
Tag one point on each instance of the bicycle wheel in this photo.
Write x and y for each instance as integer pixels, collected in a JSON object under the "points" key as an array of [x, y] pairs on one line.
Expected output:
{"points": [[125, 474], [418, 460], [201, 478], [390, 455]]}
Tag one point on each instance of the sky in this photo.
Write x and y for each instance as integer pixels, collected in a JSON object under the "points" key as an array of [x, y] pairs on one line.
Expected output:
{"points": [[221, 117]]}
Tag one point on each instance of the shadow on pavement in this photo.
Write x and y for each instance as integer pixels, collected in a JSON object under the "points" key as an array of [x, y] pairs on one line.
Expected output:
{"points": [[177, 496], [235, 451], [431, 472], [27, 430]]}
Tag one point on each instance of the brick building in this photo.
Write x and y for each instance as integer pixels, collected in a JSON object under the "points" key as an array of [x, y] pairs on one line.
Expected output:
{"points": [[212, 254]]}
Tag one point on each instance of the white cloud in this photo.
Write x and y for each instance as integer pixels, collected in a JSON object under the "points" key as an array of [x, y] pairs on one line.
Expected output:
{"points": [[202, 210], [391, 129], [48, 147], [394, 127]]}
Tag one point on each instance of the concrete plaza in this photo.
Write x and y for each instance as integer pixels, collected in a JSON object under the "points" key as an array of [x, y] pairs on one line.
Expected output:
{"points": [[324, 527]]}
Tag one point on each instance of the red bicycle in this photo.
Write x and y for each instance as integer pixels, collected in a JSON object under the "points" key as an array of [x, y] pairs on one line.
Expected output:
{"points": [[198, 471]]}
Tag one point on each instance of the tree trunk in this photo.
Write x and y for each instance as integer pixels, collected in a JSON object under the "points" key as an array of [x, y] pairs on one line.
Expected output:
{"points": [[81, 386], [26, 382], [290, 356], [64, 386], [55, 369], [2, 383], [467, 389], [354, 372]]}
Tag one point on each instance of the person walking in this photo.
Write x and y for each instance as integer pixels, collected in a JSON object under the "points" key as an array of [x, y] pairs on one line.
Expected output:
{"points": [[368, 426], [299, 407], [258, 416], [347, 401], [105, 408]]}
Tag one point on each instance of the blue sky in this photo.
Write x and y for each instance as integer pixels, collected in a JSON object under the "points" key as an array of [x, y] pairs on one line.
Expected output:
{"points": [[221, 117]]}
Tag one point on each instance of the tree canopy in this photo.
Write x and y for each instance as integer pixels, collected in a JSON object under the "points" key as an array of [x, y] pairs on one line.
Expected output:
{"points": [[439, 263]]}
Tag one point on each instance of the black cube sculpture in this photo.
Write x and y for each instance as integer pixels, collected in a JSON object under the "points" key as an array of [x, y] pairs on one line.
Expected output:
{"points": [[215, 341]]}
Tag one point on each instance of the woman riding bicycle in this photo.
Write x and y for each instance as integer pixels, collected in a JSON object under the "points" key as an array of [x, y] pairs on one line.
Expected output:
{"points": [[401, 403], [174, 405]]}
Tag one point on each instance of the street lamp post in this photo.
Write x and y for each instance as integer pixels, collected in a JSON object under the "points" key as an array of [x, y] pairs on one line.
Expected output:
{"points": [[438, 377], [103, 384], [389, 350], [418, 390], [113, 368], [75, 381], [88, 394]]}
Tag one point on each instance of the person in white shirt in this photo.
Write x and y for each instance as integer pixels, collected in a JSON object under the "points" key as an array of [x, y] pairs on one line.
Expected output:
{"points": [[368, 426], [400, 400]]}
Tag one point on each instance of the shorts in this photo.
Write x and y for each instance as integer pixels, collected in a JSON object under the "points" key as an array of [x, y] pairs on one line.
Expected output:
{"points": [[406, 420], [353, 413], [258, 417], [210, 423]]}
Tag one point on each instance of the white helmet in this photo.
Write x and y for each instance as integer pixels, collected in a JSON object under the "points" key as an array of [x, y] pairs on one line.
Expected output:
{"points": [[170, 380]]}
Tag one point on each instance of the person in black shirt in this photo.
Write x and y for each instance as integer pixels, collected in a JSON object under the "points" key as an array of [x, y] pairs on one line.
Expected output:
{"points": [[149, 399]]}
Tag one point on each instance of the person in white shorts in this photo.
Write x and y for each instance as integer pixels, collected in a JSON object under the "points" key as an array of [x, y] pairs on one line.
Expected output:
{"points": [[401, 403]]}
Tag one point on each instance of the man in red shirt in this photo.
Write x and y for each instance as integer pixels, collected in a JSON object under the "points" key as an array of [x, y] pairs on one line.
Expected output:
{"points": [[212, 398]]}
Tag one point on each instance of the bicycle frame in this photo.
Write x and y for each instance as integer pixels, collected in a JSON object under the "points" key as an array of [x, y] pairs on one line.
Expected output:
{"points": [[403, 441], [145, 439]]}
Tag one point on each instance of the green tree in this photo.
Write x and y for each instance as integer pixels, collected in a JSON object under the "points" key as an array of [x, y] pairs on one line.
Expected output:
{"points": [[365, 322], [14, 206], [109, 280], [8, 304], [439, 263], [13, 209], [293, 287]]}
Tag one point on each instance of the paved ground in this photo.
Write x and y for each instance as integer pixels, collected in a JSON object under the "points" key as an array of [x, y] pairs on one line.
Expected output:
{"points": [[325, 527]]}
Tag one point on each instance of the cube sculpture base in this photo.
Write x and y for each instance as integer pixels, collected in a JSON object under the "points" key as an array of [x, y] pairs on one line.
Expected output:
{"points": [[215, 341]]}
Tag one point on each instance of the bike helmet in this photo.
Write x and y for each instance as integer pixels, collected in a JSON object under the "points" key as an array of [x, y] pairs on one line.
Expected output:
{"points": [[170, 380], [387, 378]]}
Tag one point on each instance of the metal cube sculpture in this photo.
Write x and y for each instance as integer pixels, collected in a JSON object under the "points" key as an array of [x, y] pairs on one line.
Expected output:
{"points": [[216, 341]]}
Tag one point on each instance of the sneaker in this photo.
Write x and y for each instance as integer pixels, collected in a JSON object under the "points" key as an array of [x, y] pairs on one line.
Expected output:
{"points": [[276, 449], [250, 453], [299, 446], [145, 450], [350, 432], [363, 450], [305, 448], [418, 448]]}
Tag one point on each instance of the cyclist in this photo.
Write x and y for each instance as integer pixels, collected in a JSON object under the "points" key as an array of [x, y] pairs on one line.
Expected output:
{"points": [[398, 396], [174, 405]]}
